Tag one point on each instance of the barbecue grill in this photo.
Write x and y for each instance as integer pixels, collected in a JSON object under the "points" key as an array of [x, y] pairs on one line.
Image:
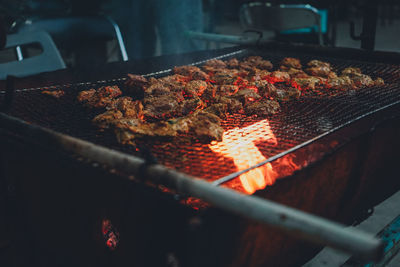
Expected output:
{"points": [[330, 152]]}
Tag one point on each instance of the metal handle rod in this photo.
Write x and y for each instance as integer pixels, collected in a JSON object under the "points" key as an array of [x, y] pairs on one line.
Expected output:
{"points": [[292, 221], [222, 38]]}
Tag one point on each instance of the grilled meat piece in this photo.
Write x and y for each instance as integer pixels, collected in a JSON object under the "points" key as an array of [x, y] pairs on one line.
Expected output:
{"points": [[246, 66], [127, 130], [161, 88], [309, 82], [136, 84], [233, 104], [161, 107], [280, 76], [99, 98], [210, 93], [219, 109], [215, 63], [55, 93], [205, 126], [174, 80], [351, 71], [86, 96], [128, 107], [290, 62], [232, 63], [193, 72], [320, 69], [122, 107], [264, 87], [200, 125], [296, 73], [190, 105], [246, 96], [259, 62], [362, 80], [227, 89], [359, 79], [321, 72], [379, 82], [262, 108], [226, 76], [157, 89], [341, 83], [286, 93], [257, 74], [107, 119], [195, 88]]}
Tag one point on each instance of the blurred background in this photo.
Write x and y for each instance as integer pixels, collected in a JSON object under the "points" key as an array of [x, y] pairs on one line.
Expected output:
{"points": [[99, 31]]}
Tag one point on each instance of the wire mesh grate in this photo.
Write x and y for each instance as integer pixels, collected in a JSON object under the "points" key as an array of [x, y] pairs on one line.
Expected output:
{"points": [[300, 120]]}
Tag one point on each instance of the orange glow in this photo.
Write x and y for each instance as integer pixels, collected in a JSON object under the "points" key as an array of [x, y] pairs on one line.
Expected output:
{"points": [[239, 145]]}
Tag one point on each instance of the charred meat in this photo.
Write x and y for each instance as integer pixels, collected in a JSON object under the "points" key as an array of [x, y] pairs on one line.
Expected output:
{"points": [[99, 98], [290, 62], [262, 108], [55, 93]]}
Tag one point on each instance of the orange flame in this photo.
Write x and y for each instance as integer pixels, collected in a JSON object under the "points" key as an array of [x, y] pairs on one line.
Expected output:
{"points": [[239, 145]]}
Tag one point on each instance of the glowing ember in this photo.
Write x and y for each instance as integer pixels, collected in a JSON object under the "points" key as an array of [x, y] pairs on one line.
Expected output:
{"points": [[239, 144], [110, 234]]}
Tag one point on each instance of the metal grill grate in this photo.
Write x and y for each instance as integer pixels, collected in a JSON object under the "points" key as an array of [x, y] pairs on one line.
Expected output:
{"points": [[314, 115]]}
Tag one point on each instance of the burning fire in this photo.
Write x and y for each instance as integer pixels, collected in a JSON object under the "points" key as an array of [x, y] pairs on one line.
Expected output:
{"points": [[239, 144]]}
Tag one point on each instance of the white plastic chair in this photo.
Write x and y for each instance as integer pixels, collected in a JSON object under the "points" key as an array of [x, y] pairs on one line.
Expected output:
{"points": [[49, 60], [278, 18]]}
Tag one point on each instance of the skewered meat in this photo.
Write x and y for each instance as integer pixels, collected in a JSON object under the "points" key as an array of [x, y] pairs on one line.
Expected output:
{"points": [[99, 98], [290, 62], [55, 93], [262, 108]]}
